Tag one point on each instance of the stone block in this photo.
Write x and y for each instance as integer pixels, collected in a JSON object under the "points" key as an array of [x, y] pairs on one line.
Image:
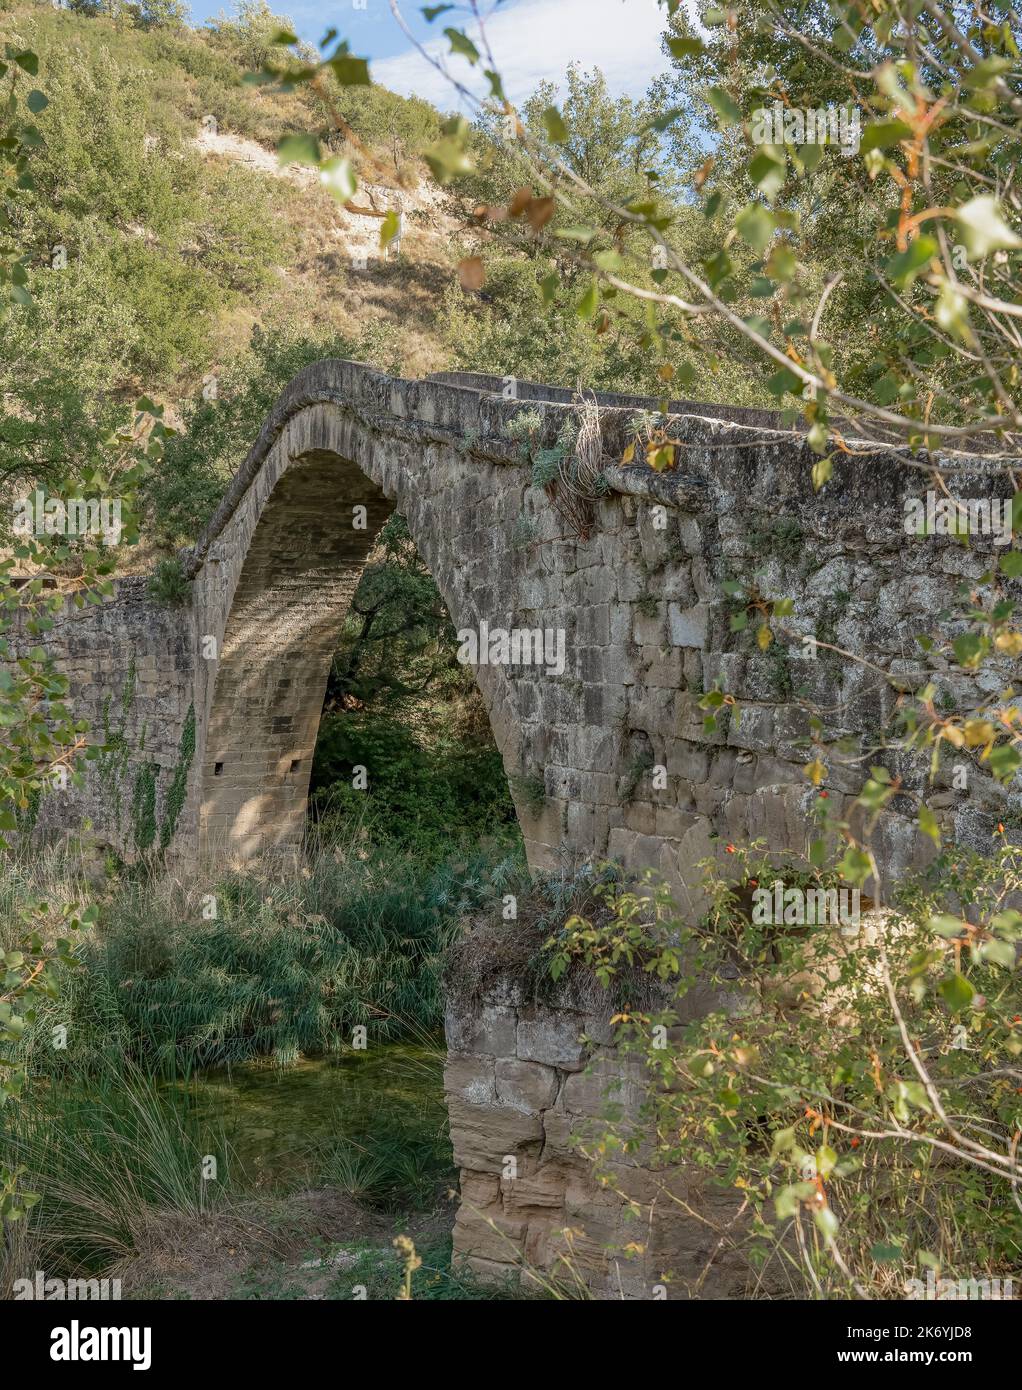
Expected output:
{"points": [[688, 625], [471, 1078], [526, 1086], [487, 1031], [483, 1136], [551, 1038]]}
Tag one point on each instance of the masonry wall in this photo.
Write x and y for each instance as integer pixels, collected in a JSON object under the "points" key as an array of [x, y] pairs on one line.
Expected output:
{"points": [[639, 601], [130, 663], [528, 1083]]}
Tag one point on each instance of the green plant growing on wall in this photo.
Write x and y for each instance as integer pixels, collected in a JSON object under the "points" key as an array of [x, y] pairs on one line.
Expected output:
{"points": [[169, 584], [178, 788], [143, 807], [114, 755], [531, 789], [781, 539], [524, 428], [523, 533], [779, 670], [637, 769]]}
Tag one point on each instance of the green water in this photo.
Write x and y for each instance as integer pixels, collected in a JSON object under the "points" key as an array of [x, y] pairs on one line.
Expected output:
{"points": [[282, 1124]]}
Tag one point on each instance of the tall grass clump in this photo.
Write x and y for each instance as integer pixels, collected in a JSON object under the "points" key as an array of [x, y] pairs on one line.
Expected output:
{"points": [[293, 961], [111, 1160]]}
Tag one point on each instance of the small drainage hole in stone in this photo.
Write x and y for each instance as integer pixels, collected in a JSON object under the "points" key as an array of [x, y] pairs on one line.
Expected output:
{"points": [[217, 769], [295, 764]]}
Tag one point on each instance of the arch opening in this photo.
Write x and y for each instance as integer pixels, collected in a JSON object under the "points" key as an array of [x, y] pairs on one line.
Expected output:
{"points": [[301, 569], [277, 689]]}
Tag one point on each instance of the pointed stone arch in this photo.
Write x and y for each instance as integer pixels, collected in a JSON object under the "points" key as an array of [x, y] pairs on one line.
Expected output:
{"points": [[276, 572]]}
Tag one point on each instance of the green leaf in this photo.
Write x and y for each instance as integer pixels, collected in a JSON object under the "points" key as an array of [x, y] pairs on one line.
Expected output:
{"points": [[968, 647], [298, 149], [724, 106], [855, 866], [826, 1160], [768, 173], [589, 302], [1004, 761], [998, 953], [756, 225], [823, 471], [928, 824], [582, 234], [885, 1254], [553, 123], [28, 62], [784, 1139], [782, 381], [1011, 564], [826, 1222], [549, 286], [946, 926], [984, 229], [461, 43], [338, 178], [37, 101], [880, 135], [957, 992], [685, 48], [448, 158], [431, 11], [790, 1198], [349, 71], [906, 265], [389, 229]]}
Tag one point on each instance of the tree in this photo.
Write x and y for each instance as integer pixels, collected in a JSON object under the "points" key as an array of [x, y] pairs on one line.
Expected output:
{"points": [[41, 737]]}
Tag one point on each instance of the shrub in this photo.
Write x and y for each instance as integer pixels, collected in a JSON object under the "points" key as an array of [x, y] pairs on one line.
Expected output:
{"points": [[856, 1089]]}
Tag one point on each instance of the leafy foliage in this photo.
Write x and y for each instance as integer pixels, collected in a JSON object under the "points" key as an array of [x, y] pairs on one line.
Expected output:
{"points": [[856, 1088]]}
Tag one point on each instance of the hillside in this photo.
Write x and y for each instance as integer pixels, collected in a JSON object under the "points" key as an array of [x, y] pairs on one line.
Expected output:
{"points": [[173, 255]]}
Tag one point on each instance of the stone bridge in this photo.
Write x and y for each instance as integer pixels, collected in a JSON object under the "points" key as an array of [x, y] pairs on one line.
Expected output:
{"points": [[211, 709]]}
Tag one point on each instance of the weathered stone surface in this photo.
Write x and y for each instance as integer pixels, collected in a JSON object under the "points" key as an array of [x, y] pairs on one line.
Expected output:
{"points": [[554, 1039], [483, 1136], [526, 1086], [222, 696], [471, 1078], [491, 1031]]}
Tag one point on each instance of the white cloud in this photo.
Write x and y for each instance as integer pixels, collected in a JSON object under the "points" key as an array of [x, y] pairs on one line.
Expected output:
{"points": [[536, 40]]}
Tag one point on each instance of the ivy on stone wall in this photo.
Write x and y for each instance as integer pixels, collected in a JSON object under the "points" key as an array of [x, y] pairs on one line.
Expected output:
{"points": [[113, 760], [143, 807], [179, 783]]}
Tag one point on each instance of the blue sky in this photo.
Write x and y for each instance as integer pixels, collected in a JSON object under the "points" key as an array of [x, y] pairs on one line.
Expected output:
{"points": [[532, 40]]}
